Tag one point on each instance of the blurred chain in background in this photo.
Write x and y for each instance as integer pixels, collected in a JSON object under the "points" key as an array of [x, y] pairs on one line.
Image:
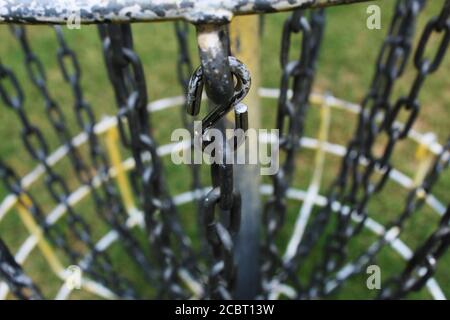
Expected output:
{"points": [[290, 119]]}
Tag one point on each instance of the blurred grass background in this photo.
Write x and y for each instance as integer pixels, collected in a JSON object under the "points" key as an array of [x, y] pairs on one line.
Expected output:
{"points": [[345, 69]]}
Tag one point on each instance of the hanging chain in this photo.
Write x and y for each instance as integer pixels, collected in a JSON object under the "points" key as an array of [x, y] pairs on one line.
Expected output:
{"points": [[220, 234], [20, 284], [38, 77], [109, 206], [421, 267], [127, 77], [220, 237], [390, 65], [414, 201], [184, 63], [363, 186], [222, 205], [184, 71], [99, 262], [290, 120], [108, 203], [53, 233]]}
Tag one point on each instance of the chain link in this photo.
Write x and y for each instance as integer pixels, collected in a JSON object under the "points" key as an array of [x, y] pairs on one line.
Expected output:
{"points": [[394, 54], [364, 184], [221, 227], [20, 284], [99, 263], [107, 203], [127, 77], [421, 267], [184, 71], [290, 121], [53, 233], [414, 201]]}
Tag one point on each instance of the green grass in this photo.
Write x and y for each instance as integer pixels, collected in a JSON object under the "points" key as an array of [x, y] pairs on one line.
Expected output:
{"points": [[345, 69]]}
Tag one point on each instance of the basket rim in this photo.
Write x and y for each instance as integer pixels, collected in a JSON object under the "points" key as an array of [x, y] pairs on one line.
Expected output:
{"points": [[101, 11]]}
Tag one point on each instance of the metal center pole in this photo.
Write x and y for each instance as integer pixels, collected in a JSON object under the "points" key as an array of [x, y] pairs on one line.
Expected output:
{"points": [[245, 45]]}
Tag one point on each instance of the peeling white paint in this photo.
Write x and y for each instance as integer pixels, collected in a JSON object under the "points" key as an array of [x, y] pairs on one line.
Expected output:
{"points": [[131, 10], [209, 41], [92, 11]]}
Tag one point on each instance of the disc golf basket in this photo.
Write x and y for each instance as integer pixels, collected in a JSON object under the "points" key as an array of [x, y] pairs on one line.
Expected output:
{"points": [[87, 192]]}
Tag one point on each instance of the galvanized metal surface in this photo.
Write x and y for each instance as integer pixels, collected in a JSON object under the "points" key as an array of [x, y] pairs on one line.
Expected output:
{"points": [[246, 47], [97, 11]]}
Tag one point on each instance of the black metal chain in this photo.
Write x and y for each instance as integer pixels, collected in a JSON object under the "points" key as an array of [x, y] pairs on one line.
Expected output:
{"points": [[109, 207], [53, 233], [127, 77], [108, 204], [11, 272], [421, 267], [184, 71], [56, 117], [184, 62], [99, 263], [364, 184], [56, 235], [221, 207], [394, 54], [290, 121], [220, 234], [414, 201]]}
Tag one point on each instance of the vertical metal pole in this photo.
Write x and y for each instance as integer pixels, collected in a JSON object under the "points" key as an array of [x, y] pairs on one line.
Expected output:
{"points": [[245, 45]]}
